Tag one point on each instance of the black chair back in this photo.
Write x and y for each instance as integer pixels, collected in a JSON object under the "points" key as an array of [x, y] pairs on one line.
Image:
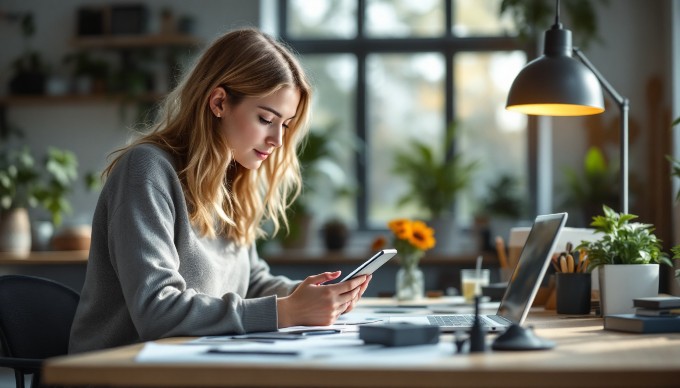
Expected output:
{"points": [[35, 321]]}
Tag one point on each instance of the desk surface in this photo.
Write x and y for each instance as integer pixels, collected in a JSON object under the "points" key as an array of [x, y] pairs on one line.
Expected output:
{"points": [[586, 355]]}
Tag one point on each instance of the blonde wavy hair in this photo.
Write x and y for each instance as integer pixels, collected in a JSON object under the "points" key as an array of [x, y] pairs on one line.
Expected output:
{"points": [[224, 198]]}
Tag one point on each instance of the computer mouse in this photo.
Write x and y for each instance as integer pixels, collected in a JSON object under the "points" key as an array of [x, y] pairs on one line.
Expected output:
{"points": [[520, 338]]}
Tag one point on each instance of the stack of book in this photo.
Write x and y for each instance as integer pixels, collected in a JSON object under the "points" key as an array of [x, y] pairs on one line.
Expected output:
{"points": [[659, 314]]}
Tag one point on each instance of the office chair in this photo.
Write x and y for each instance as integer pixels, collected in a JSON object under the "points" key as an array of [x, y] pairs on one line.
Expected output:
{"points": [[35, 323]]}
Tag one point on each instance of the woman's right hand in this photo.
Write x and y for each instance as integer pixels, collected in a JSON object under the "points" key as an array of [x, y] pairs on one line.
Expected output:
{"points": [[314, 303]]}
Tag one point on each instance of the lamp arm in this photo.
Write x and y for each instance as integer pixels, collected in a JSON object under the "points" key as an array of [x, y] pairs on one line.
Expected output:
{"points": [[624, 107], [620, 100]]}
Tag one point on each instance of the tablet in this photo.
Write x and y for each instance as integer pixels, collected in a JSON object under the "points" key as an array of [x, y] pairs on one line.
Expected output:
{"points": [[369, 266]]}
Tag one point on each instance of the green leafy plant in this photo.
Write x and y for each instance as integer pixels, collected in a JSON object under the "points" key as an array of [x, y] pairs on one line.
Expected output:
{"points": [[596, 185], [18, 176], [503, 198], [535, 16], [23, 184], [85, 65], [30, 60], [623, 241], [434, 181]]}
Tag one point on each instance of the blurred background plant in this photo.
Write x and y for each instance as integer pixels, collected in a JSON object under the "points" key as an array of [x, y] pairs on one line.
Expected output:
{"points": [[434, 180], [503, 198], [534, 16], [24, 184], [323, 177], [586, 191]]}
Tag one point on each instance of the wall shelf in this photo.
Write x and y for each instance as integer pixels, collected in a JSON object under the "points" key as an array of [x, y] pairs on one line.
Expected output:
{"points": [[76, 99], [135, 41]]}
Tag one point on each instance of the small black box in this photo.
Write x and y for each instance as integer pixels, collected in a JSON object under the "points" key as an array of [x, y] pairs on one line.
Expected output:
{"points": [[399, 334], [91, 21], [129, 19]]}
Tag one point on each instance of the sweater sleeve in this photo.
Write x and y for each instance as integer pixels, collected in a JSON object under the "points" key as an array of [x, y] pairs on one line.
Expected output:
{"points": [[262, 282], [143, 236]]}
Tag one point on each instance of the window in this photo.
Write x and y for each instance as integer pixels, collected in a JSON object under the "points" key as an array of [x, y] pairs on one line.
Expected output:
{"points": [[390, 71]]}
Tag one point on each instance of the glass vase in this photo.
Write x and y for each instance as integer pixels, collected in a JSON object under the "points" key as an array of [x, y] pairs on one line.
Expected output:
{"points": [[410, 283]]}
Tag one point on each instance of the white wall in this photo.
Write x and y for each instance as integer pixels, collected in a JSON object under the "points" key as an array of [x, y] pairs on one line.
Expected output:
{"points": [[674, 49], [635, 40], [94, 129]]}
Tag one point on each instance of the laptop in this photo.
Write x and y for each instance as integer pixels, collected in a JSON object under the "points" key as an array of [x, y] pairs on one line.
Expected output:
{"points": [[522, 286]]}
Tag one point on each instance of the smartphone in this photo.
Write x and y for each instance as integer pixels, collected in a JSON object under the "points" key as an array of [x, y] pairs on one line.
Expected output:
{"points": [[371, 265]]}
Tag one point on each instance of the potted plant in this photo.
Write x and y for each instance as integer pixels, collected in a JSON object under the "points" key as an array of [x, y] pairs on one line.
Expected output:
{"points": [[627, 256], [23, 184], [335, 234], [17, 177], [29, 71], [434, 182], [91, 75]]}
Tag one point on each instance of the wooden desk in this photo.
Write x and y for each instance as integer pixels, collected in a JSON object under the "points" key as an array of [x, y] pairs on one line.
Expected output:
{"points": [[585, 356]]}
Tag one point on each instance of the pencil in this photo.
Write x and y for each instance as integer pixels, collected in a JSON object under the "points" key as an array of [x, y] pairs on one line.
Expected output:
{"points": [[500, 250]]}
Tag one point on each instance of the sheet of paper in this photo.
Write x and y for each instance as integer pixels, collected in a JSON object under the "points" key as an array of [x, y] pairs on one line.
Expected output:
{"points": [[234, 350]]}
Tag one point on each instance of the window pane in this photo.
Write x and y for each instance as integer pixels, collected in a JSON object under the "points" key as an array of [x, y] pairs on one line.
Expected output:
{"points": [[405, 18], [322, 19], [480, 17], [488, 132], [334, 79], [405, 102]]}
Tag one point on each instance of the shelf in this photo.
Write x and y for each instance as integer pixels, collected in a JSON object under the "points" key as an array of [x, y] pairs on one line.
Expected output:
{"points": [[52, 257], [75, 99], [135, 41]]}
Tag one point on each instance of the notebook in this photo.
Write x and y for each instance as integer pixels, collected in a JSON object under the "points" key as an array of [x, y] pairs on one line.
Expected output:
{"points": [[522, 287]]}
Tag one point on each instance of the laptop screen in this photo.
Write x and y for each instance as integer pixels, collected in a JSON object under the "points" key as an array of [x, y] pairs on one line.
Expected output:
{"points": [[531, 267]]}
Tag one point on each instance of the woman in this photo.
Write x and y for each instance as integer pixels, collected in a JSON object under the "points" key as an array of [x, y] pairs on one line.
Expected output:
{"points": [[173, 233]]}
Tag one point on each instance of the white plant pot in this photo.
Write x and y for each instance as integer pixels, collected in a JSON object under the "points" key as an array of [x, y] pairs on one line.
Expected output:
{"points": [[621, 283], [15, 232]]}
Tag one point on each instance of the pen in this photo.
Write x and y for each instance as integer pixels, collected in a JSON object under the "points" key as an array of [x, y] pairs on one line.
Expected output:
{"points": [[254, 352], [268, 336], [321, 332]]}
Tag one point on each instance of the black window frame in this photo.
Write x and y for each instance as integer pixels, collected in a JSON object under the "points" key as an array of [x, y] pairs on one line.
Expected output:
{"points": [[448, 45]]}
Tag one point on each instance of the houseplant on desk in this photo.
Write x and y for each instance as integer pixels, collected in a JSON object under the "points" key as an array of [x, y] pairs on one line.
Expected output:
{"points": [[627, 256]]}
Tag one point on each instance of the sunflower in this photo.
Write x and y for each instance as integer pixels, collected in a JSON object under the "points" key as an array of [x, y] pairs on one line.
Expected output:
{"points": [[422, 236], [401, 227], [411, 238]]}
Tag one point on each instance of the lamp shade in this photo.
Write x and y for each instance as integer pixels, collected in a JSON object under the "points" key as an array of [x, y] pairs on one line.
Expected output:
{"points": [[556, 84]]}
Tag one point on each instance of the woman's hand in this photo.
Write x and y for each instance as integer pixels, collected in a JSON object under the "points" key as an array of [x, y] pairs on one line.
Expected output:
{"points": [[314, 303]]}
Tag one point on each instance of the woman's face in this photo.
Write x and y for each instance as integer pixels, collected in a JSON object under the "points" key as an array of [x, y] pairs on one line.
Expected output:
{"points": [[254, 128]]}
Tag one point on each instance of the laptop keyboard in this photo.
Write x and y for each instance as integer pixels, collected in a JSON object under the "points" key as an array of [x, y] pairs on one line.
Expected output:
{"points": [[462, 320]]}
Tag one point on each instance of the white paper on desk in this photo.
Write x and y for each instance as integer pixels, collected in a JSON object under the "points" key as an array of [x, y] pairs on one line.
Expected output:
{"points": [[312, 347], [230, 339]]}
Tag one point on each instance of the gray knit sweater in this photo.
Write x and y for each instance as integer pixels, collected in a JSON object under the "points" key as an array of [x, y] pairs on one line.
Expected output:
{"points": [[150, 275]]}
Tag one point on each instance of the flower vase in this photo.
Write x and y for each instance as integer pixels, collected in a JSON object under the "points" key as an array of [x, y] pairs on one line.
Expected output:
{"points": [[410, 283]]}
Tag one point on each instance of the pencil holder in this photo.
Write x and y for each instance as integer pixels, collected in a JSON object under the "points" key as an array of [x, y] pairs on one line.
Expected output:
{"points": [[573, 292]]}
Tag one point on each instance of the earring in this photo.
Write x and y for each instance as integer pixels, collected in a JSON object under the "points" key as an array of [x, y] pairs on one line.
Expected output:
{"points": [[219, 115]]}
